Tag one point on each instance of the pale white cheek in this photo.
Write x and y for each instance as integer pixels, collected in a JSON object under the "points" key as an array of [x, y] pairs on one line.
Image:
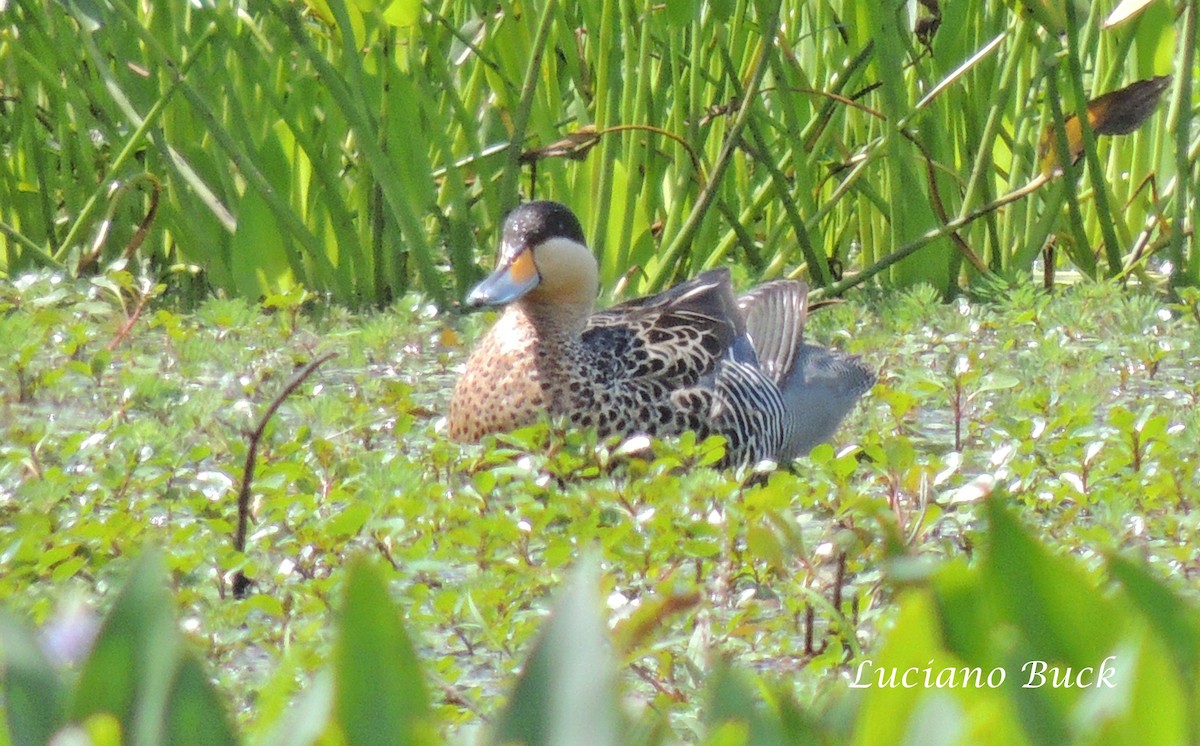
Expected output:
{"points": [[568, 270]]}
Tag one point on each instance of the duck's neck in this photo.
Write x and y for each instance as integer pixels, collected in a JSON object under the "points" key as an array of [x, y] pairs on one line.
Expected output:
{"points": [[553, 321]]}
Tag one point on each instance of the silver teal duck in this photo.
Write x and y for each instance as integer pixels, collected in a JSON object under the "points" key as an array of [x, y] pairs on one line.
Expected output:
{"points": [[691, 358]]}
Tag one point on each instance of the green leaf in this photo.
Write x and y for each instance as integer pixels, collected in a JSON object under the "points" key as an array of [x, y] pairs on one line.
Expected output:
{"points": [[1125, 10], [380, 693], [1048, 13], [765, 544], [731, 700], [1174, 620], [308, 717], [102, 729], [913, 643], [682, 12], [566, 692], [195, 715], [133, 661], [34, 695], [403, 13], [349, 520], [997, 382], [967, 613], [91, 14], [1046, 596]]}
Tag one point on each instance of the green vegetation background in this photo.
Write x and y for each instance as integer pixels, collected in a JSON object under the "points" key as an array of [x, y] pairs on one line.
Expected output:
{"points": [[326, 157], [1075, 412], [365, 149]]}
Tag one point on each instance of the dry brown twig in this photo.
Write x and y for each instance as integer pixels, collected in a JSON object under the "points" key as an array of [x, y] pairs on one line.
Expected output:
{"points": [[241, 583]]}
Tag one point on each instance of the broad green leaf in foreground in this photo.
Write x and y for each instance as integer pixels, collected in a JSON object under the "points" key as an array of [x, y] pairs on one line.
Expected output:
{"points": [[34, 694], [140, 672], [195, 713], [732, 707], [1046, 595], [380, 693], [130, 667], [567, 690]]}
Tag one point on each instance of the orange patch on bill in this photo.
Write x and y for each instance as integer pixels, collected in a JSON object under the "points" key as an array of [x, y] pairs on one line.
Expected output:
{"points": [[522, 268]]}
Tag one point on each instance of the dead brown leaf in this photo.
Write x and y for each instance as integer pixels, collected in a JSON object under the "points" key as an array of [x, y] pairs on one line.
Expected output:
{"points": [[1118, 112]]}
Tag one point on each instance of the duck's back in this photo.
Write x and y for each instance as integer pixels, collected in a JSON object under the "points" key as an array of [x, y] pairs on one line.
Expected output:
{"points": [[641, 365], [681, 360]]}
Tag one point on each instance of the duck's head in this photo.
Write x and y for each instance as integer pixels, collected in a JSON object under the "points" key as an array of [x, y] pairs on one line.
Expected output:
{"points": [[543, 257]]}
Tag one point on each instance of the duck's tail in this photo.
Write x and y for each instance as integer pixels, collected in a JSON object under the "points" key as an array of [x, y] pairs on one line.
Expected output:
{"points": [[819, 386], [774, 314], [821, 389]]}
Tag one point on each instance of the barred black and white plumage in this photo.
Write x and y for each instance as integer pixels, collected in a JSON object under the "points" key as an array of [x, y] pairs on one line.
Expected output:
{"points": [[693, 357]]}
